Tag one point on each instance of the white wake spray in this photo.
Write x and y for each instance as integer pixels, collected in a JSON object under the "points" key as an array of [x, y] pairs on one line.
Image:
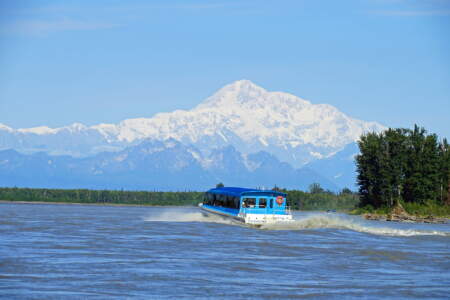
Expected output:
{"points": [[180, 215], [312, 221], [318, 221]]}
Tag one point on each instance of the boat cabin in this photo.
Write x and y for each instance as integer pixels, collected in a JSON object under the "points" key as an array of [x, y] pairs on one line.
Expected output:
{"points": [[236, 200]]}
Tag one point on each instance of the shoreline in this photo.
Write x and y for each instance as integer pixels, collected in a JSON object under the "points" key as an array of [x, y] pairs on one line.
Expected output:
{"points": [[96, 204], [405, 218], [399, 214]]}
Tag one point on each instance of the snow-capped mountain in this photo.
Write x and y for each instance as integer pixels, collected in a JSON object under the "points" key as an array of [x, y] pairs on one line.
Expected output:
{"points": [[340, 168], [155, 165], [241, 114]]}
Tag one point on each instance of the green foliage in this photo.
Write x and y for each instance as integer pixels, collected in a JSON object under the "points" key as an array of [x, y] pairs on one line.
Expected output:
{"points": [[402, 165], [384, 210], [324, 200], [296, 199], [430, 208], [346, 191], [315, 188], [444, 171], [219, 185], [101, 196]]}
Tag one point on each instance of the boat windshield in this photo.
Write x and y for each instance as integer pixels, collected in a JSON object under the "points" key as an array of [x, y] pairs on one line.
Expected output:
{"points": [[249, 202]]}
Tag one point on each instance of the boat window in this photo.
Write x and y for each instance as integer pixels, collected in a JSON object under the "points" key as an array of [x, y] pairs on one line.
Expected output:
{"points": [[206, 198], [271, 202], [223, 200], [249, 202], [236, 202], [262, 202], [230, 202]]}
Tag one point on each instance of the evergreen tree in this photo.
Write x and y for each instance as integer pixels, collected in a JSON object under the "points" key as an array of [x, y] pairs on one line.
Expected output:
{"points": [[346, 191], [422, 168], [368, 168], [393, 163], [444, 173], [403, 164], [315, 188]]}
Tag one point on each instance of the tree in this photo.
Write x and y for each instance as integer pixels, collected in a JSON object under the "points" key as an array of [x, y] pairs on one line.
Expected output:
{"points": [[394, 163], [346, 191], [315, 188], [422, 168], [402, 164], [219, 185], [444, 173], [276, 188], [368, 168]]}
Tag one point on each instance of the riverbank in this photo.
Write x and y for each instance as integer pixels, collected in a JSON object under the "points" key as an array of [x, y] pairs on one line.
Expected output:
{"points": [[86, 203], [403, 218], [409, 214]]}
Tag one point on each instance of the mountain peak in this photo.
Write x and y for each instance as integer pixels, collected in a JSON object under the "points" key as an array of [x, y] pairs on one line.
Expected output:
{"points": [[241, 87], [237, 92], [76, 127], [243, 84]]}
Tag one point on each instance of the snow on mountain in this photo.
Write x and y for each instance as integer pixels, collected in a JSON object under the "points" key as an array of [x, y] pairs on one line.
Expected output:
{"points": [[39, 130], [5, 128], [157, 165], [340, 168], [240, 114]]}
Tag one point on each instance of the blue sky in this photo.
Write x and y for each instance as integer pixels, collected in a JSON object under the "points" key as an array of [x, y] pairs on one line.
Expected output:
{"points": [[105, 61]]}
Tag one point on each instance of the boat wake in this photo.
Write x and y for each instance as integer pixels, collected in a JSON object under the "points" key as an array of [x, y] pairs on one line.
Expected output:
{"points": [[318, 221], [308, 222], [173, 215]]}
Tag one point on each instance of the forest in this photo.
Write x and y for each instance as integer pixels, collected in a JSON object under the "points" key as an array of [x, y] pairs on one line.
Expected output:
{"points": [[101, 196], [404, 166]]}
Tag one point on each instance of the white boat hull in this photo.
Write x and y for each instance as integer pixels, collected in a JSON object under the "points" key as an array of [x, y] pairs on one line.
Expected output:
{"points": [[251, 219]]}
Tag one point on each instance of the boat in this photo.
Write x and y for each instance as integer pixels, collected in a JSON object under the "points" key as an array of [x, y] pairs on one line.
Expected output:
{"points": [[249, 206]]}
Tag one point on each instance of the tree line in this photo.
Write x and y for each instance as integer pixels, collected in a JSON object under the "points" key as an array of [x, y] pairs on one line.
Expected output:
{"points": [[320, 199], [403, 165], [101, 196], [316, 199]]}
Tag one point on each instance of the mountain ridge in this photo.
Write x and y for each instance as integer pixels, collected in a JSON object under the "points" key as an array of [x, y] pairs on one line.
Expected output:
{"points": [[241, 114], [154, 165]]}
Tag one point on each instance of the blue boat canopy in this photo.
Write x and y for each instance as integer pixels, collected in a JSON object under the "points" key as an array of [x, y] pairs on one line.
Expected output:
{"points": [[238, 192]]}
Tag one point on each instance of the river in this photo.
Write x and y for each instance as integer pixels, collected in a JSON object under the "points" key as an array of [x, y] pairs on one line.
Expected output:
{"points": [[50, 251]]}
